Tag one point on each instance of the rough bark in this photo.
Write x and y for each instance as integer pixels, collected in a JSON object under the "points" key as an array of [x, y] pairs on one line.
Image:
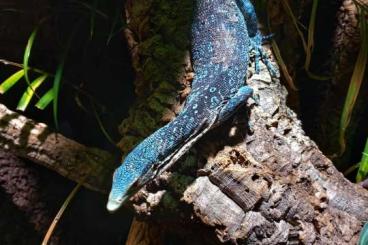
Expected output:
{"points": [[21, 183], [38, 143], [267, 183]]}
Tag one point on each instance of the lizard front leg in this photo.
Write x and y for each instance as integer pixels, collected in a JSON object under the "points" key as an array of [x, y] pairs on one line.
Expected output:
{"points": [[234, 103]]}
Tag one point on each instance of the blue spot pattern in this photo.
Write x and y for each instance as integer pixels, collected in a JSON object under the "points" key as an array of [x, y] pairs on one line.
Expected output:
{"points": [[223, 34]]}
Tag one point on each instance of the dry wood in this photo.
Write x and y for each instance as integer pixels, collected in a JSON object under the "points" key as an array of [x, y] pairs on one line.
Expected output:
{"points": [[38, 143]]}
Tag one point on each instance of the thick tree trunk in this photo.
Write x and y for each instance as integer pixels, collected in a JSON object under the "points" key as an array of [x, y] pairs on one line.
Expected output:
{"points": [[263, 184], [36, 142]]}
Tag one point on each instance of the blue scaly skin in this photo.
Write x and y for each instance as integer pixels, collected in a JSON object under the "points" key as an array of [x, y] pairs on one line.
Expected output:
{"points": [[223, 34]]}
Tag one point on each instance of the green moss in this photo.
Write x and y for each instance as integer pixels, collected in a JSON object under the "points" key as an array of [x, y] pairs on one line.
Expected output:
{"points": [[165, 98], [144, 123], [155, 105], [166, 86], [141, 8], [146, 48]]}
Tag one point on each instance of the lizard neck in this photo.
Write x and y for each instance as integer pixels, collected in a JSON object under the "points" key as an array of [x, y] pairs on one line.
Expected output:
{"points": [[165, 146]]}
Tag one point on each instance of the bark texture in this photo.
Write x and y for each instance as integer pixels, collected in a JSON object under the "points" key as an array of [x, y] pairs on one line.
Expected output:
{"points": [[266, 183], [36, 142], [21, 183]]}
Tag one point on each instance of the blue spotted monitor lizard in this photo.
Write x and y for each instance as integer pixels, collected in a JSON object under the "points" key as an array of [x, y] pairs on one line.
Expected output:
{"points": [[224, 32]]}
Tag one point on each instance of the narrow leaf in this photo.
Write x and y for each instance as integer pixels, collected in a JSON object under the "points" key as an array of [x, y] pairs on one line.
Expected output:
{"points": [[55, 89], [310, 41], [282, 65], [10, 81], [28, 94], [308, 47], [45, 100], [27, 54], [355, 83], [59, 75]]}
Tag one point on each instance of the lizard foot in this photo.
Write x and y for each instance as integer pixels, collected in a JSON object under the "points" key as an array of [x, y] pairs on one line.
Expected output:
{"points": [[256, 43]]}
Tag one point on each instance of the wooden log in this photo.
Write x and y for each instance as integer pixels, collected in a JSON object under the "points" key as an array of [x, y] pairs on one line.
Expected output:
{"points": [[38, 143]]}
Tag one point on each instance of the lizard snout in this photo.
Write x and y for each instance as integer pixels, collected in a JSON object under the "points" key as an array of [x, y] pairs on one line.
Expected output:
{"points": [[113, 205]]}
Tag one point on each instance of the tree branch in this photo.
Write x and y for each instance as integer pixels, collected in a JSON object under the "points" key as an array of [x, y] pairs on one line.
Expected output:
{"points": [[36, 142]]}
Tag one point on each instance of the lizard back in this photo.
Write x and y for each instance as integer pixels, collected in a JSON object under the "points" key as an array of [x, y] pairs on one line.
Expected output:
{"points": [[220, 52]]}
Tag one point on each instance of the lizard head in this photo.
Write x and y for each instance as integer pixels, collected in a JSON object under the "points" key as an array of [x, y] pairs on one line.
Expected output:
{"points": [[122, 183], [128, 179]]}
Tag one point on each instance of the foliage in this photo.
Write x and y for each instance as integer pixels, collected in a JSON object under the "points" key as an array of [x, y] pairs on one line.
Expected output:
{"points": [[37, 87]]}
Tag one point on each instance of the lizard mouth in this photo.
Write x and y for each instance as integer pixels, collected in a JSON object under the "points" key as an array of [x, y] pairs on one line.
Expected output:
{"points": [[113, 205]]}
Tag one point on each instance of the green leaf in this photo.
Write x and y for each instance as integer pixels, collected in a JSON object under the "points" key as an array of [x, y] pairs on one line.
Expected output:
{"points": [[363, 165], [59, 75], [310, 42], [45, 100], [28, 94], [355, 82], [27, 54], [10, 81], [56, 89]]}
